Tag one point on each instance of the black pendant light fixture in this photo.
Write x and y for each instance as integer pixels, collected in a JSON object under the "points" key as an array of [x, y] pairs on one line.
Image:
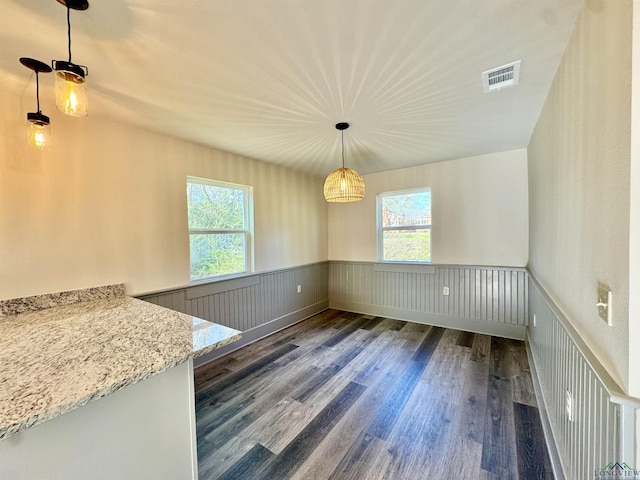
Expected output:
{"points": [[343, 184], [70, 87], [38, 125]]}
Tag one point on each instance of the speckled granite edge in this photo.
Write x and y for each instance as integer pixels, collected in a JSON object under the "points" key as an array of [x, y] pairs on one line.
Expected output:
{"points": [[113, 334], [16, 306], [199, 337], [79, 402], [201, 346]]}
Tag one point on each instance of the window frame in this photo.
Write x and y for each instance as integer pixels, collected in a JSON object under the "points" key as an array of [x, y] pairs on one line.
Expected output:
{"points": [[380, 229], [248, 231]]}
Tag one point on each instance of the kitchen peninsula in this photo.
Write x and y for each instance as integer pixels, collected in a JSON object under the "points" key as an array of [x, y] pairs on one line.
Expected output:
{"points": [[96, 384]]}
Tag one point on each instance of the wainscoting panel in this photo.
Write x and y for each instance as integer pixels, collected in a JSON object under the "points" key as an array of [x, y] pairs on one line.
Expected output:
{"points": [[257, 304], [489, 300], [600, 428]]}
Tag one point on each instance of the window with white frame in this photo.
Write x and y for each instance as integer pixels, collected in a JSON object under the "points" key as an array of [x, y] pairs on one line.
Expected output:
{"points": [[220, 228], [404, 226]]}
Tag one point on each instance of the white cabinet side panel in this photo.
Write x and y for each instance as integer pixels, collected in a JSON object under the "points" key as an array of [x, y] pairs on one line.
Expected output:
{"points": [[144, 431]]}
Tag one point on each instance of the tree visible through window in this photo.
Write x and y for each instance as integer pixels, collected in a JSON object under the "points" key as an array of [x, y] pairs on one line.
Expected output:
{"points": [[404, 226], [220, 228]]}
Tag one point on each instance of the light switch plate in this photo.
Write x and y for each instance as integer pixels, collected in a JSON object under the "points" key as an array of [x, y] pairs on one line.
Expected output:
{"points": [[605, 299]]}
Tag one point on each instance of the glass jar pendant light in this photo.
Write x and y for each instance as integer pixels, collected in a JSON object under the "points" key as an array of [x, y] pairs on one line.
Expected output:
{"points": [[70, 78], [343, 184], [38, 125]]}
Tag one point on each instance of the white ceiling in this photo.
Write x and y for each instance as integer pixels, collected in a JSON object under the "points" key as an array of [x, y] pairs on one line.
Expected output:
{"points": [[268, 79]]}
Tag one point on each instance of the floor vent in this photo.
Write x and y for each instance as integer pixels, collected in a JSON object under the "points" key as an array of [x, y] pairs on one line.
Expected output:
{"points": [[501, 77]]}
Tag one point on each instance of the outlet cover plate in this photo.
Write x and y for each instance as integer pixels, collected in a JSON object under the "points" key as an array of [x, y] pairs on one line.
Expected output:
{"points": [[569, 405]]}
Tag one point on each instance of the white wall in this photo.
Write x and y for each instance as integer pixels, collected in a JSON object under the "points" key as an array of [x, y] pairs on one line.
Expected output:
{"points": [[108, 204], [634, 224], [634, 216], [579, 181], [479, 211]]}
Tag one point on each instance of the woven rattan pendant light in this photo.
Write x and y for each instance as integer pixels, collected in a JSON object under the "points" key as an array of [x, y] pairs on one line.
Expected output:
{"points": [[343, 184]]}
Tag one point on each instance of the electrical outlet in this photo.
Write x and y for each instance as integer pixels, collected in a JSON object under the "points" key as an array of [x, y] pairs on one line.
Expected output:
{"points": [[299, 289], [445, 290], [534, 319], [569, 405]]}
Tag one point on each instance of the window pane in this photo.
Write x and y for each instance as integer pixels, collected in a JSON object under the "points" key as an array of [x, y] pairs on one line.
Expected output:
{"points": [[216, 254], [406, 209], [212, 207], [407, 245]]}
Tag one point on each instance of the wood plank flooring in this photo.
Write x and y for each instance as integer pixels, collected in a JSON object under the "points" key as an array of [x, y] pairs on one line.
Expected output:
{"points": [[345, 396]]}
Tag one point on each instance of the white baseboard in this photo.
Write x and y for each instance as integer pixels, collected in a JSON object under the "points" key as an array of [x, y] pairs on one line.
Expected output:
{"points": [[258, 333], [505, 330]]}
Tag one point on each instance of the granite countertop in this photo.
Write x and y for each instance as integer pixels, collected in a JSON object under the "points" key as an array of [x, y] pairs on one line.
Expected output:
{"points": [[61, 351]]}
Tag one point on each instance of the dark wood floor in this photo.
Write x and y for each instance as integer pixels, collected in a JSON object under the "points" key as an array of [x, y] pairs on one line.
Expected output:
{"points": [[348, 396]]}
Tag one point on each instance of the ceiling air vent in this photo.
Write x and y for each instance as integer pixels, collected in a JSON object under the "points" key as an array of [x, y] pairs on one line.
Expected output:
{"points": [[501, 77]]}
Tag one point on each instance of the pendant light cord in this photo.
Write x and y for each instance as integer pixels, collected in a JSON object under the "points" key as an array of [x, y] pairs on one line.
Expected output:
{"points": [[37, 90], [342, 136], [69, 31]]}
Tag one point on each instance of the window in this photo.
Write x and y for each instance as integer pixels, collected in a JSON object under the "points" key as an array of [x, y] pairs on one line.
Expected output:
{"points": [[404, 226], [220, 228]]}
